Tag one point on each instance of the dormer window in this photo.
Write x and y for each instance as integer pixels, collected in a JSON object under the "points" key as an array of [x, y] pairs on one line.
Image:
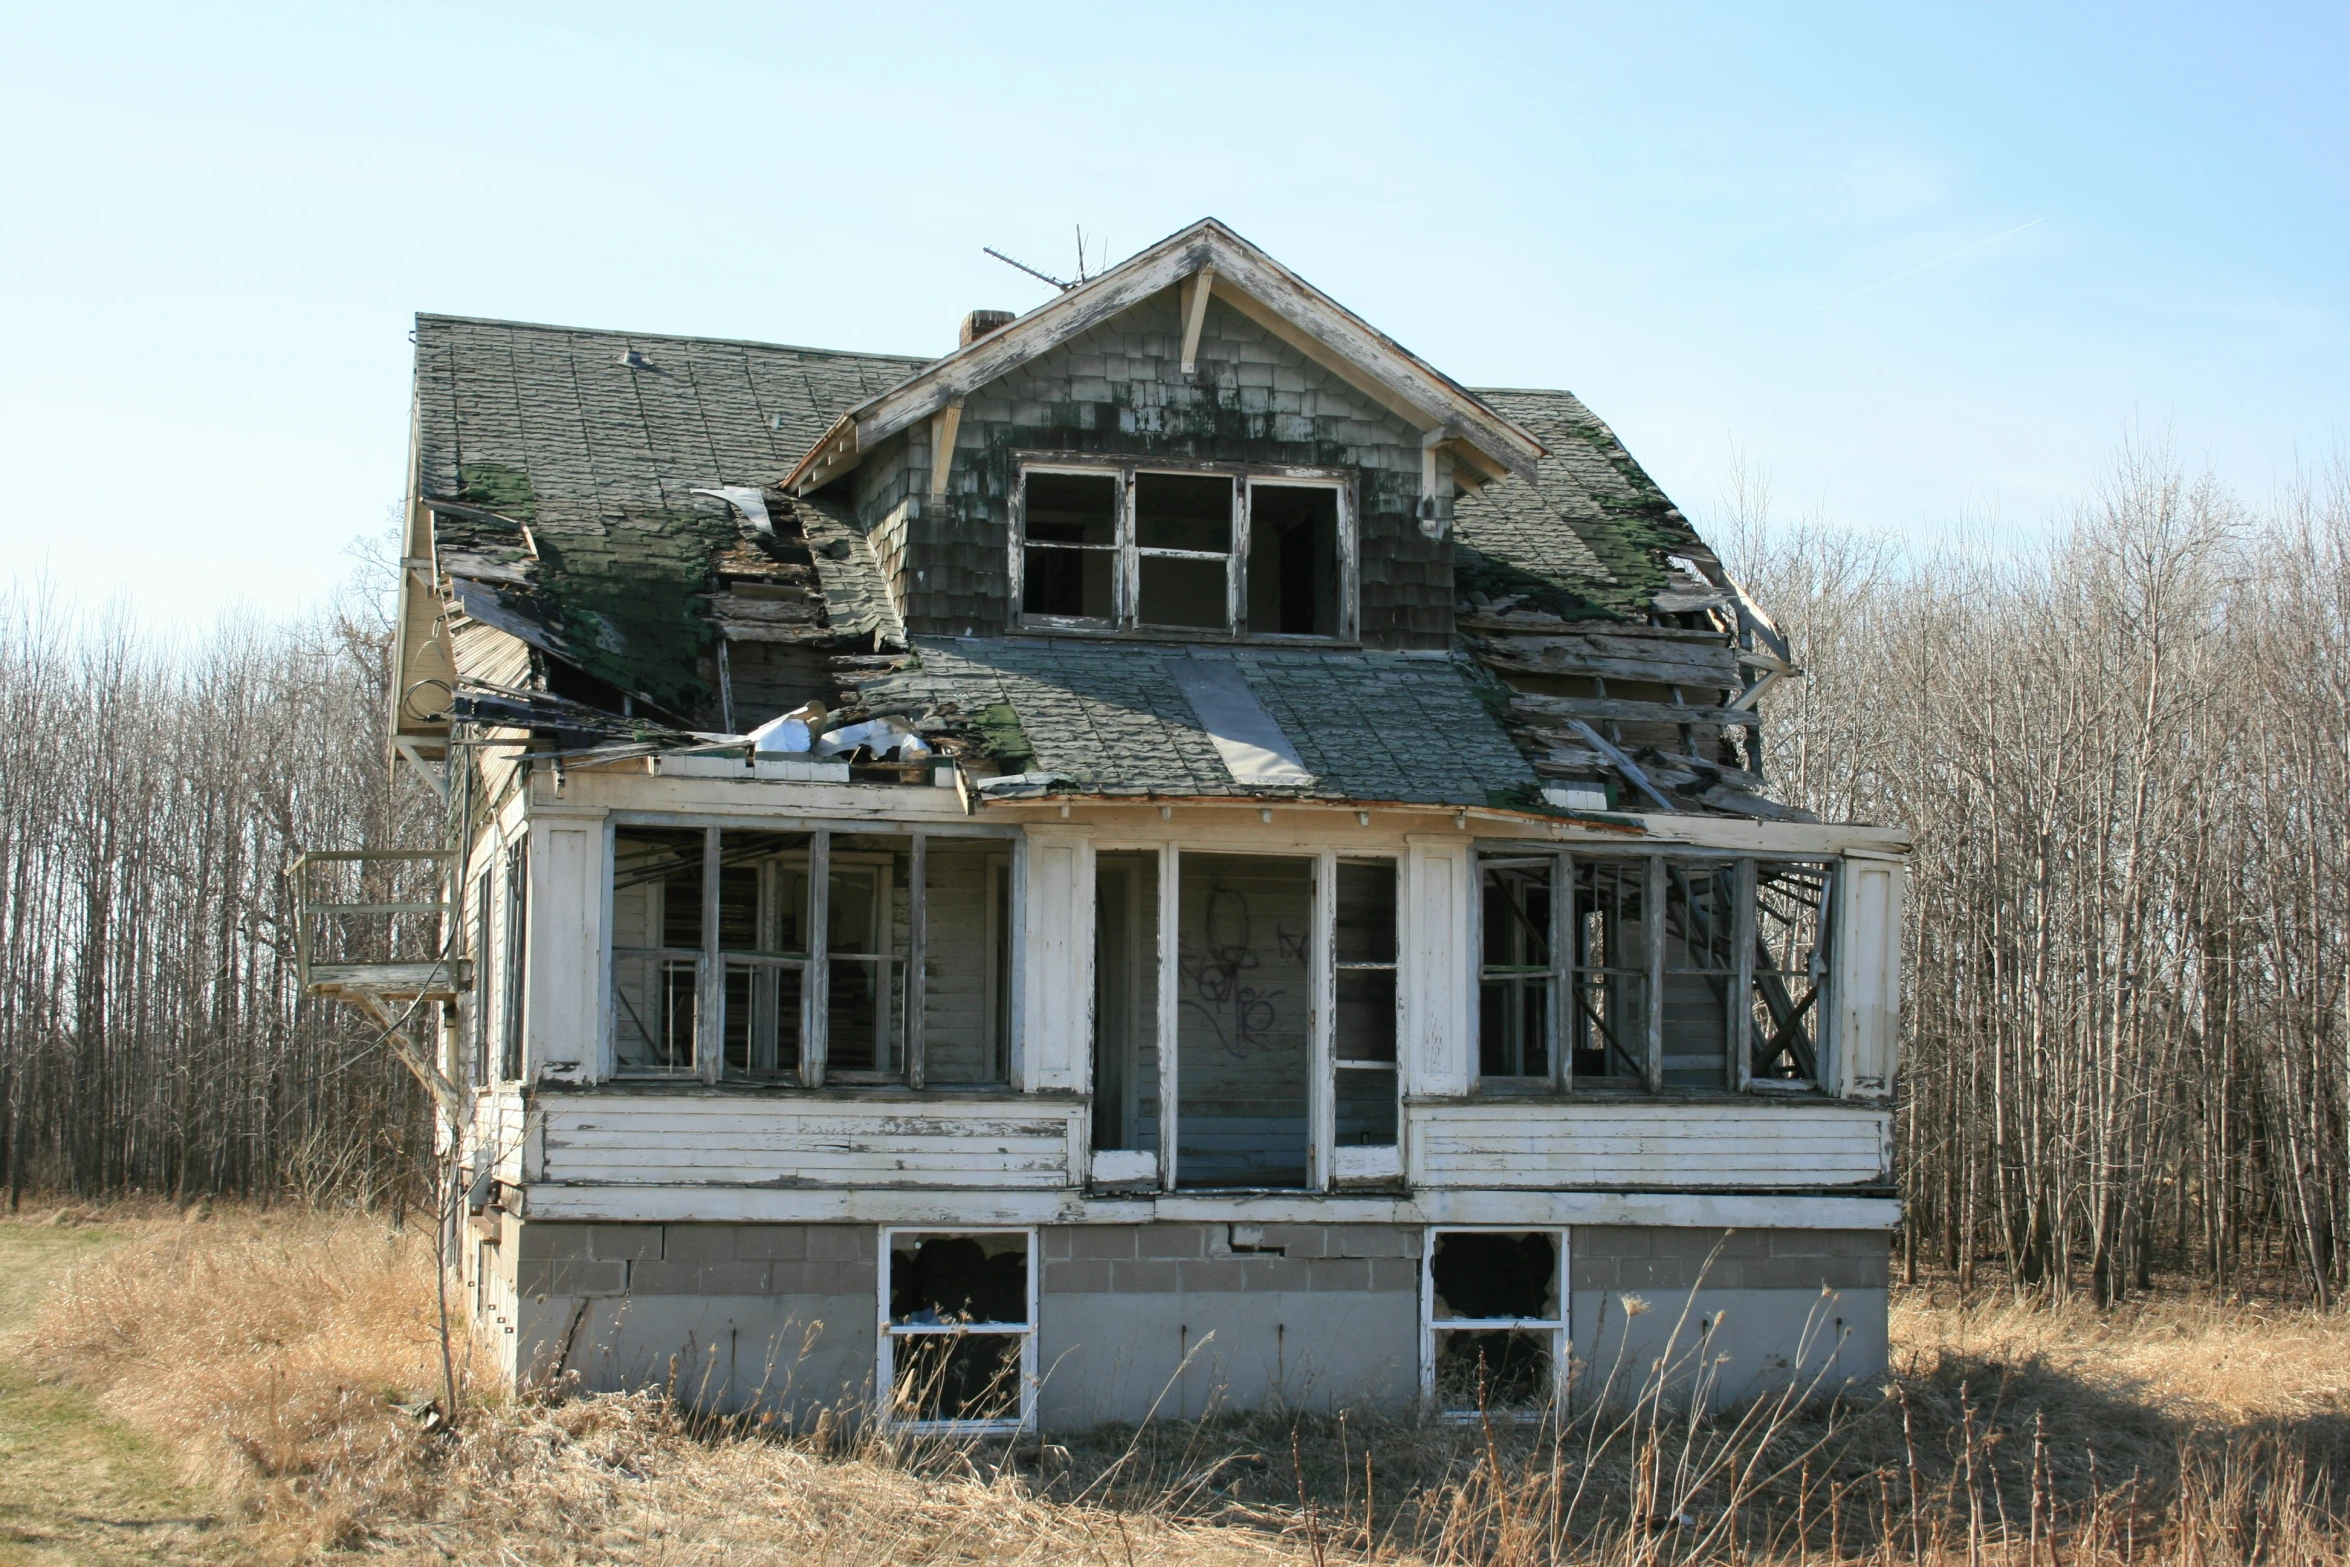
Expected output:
{"points": [[1201, 550]]}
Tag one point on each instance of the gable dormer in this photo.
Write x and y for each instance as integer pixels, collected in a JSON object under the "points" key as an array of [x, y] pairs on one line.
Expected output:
{"points": [[1195, 445]]}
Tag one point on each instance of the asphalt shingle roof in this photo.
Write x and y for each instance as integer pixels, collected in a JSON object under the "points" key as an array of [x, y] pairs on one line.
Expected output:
{"points": [[1112, 719], [593, 442]]}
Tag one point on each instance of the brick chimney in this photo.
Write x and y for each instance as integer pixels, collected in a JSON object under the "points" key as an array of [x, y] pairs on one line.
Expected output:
{"points": [[979, 323]]}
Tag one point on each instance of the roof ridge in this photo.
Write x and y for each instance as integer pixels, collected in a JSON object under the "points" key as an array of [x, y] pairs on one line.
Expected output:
{"points": [[423, 316]]}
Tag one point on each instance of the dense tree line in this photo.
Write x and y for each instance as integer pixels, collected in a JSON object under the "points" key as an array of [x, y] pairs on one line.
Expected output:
{"points": [[2125, 751], [153, 791]]}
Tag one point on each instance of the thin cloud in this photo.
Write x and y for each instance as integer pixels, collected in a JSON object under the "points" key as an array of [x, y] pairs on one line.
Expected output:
{"points": [[1922, 266]]}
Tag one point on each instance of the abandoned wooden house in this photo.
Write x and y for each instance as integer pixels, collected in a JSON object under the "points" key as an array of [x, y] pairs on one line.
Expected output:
{"points": [[1171, 855]]}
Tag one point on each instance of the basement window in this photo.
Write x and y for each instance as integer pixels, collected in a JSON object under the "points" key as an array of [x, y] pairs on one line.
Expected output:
{"points": [[1663, 972], [957, 1346], [801, 958], [1494, 1321], [1208, 550]]}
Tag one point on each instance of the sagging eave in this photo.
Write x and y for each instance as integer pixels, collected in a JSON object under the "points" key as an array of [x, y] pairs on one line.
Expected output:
{"points": [[1205, 258]]}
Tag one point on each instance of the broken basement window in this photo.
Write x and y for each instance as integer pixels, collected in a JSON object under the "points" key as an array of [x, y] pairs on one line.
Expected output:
{"points": [[957, 1343], [1496, 1328]]}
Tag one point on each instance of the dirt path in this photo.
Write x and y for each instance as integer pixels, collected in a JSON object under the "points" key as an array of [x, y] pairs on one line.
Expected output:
{"points": [[76, 1486]]}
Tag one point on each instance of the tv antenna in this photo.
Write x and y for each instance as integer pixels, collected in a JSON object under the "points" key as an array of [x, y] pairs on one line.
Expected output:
{"points": [[1063, 284], [1013, 261]]}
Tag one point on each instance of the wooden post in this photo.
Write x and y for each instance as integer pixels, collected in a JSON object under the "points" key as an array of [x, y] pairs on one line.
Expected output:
{"points": [[1170, 1007], [710, 996], [917, 954], [1652, 916], [814, 994], [1741, 1019]]}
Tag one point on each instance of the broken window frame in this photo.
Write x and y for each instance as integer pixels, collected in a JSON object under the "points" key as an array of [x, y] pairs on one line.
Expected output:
{"points": [[710, 962], [1128, 553], [1557, 1327], [887, 1333], [1751, 980]]}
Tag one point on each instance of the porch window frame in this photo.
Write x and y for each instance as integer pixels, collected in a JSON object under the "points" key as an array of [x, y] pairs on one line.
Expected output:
{"points": [[887, 1332], [1738, 1037], [711, 962], [1127, 553]]}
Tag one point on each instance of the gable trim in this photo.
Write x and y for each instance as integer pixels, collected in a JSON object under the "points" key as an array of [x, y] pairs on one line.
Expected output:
{"points": [[1243, 277]]}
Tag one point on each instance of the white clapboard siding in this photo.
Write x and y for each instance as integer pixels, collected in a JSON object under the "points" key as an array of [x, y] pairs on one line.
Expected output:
{"points": [[612, 1138], [498, 1127], [1550, 1144]]}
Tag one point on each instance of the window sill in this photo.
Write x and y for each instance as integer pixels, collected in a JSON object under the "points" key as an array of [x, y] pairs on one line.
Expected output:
{"points": [[1030, 627]]}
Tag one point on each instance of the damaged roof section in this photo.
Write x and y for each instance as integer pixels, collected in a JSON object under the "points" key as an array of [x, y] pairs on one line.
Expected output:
{"points": [[606, 501]]}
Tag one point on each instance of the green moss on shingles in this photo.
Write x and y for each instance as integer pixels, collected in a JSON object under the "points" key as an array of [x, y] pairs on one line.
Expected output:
{"points": [[627, 601], [1007, 743], [496, 487], [1641, 528]]}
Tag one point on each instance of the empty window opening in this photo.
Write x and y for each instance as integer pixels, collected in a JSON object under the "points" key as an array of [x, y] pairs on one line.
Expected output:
{"points": [[1668, 971], [1293, 560], [957, 1347], [1126, 1001], [1244, 1034], [868, 923], [1183, 550], [1069, 546], [1700, 973], [1517, 982], [1495, 1328], [1791, 923], [1363, 1028], [789, 957], [1607, 973]]}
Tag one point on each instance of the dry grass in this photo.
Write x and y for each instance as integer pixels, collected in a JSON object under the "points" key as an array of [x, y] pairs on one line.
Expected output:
{"points": [[285, 1357]]}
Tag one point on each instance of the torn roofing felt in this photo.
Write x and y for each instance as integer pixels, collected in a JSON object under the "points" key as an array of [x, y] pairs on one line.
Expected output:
{"points": [[576, 455], [1399, 727]]}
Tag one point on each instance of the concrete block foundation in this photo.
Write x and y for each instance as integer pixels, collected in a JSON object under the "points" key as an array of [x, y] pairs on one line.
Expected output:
{"points": [[1184, 1319]]}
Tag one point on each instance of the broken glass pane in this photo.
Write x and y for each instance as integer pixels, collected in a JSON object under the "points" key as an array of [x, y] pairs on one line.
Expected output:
{"points": [[1607, 1020], [1183, 511], [1293, 561], [1792, 904], [1700, 970], [1514, 994]]}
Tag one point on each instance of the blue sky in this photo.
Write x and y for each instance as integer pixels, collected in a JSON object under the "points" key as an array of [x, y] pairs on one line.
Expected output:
{"points": [[1799, 232]]}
